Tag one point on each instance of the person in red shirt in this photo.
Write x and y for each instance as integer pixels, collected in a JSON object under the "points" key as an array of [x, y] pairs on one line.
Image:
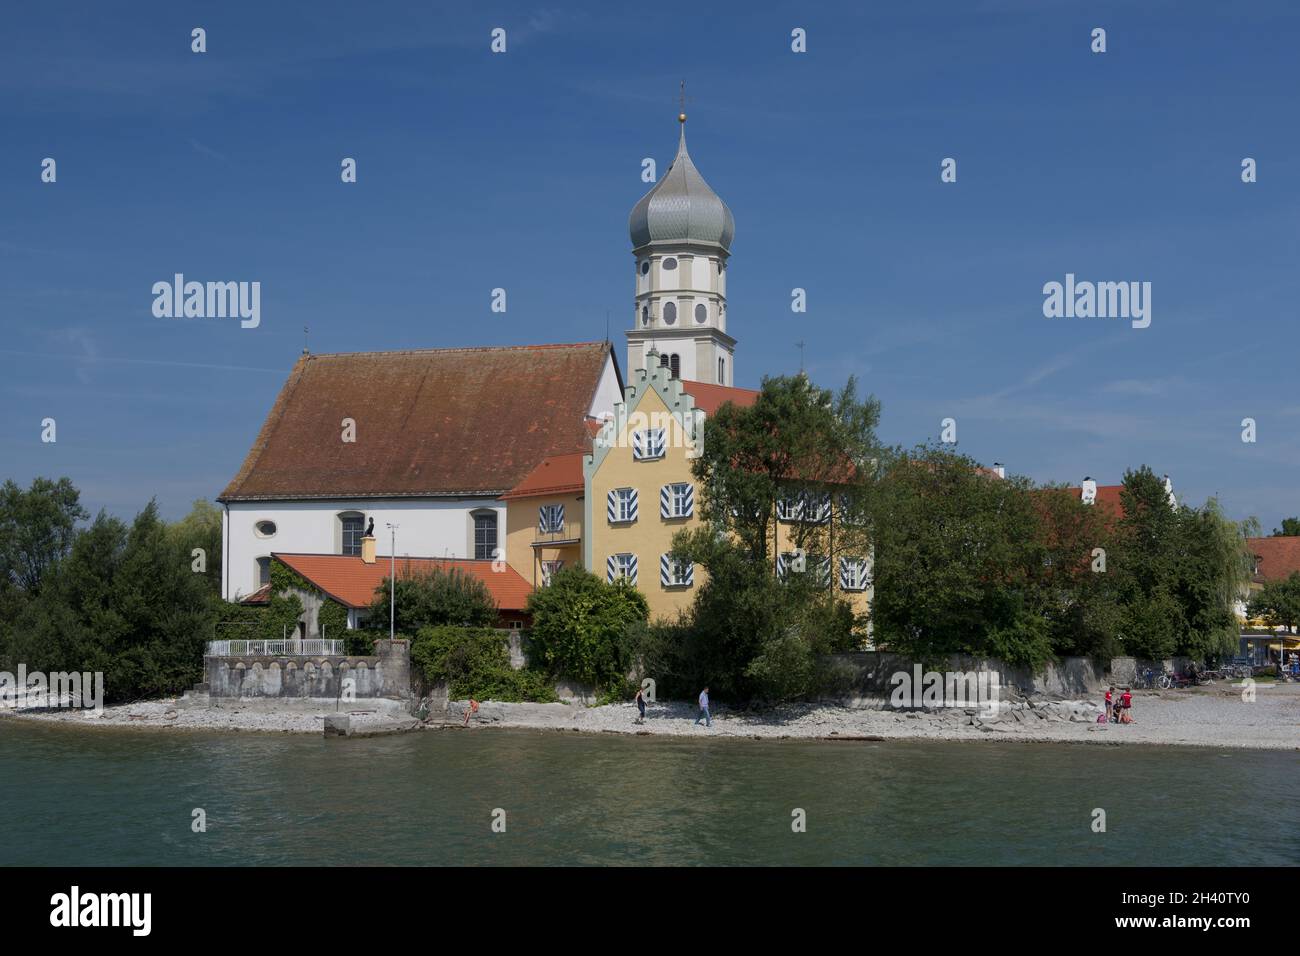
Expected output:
{"points": [[1125, 702], [1110, 703]]}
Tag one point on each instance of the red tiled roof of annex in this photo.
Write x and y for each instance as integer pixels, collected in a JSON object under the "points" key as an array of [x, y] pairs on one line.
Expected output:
{"points": [[712, 397], [352, 582], [1276, 558], [470, 421], [557, 475]]}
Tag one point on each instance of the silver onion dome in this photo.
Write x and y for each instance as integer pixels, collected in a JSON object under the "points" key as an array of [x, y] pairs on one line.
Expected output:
{"points": [[681, 208]]}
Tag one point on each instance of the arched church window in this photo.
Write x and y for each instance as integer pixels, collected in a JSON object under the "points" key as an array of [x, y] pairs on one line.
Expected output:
{"points": [[670, 264], [701, 313], [670, 313], [675, 365], [663, 361]]}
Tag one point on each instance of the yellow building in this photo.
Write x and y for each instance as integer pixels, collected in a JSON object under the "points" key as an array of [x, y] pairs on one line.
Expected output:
{"points": [[544, 519]]}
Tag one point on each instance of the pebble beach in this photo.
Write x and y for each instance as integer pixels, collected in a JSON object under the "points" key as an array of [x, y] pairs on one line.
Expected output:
{"points": [[1212, 715]]}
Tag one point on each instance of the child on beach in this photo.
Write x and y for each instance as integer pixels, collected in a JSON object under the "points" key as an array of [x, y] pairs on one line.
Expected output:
{"points": [[471, 709], [1110, 693], [1125, 702]]}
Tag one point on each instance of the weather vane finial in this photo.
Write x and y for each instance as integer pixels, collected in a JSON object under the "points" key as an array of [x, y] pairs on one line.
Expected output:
{"points": [[681, 98]]}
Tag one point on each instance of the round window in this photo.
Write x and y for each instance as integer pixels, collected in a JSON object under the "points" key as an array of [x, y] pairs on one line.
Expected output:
{"points": [[670, 265], [645, 267], [670, 313], [701, 313], [265, 529]]}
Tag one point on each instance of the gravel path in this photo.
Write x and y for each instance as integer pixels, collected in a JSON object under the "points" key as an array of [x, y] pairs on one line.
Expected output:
{"points": [[1214, 715]]}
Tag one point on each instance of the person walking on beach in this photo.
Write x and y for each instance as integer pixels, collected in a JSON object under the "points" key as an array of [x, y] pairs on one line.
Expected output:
{"points": [[704, 709], [471, 709], [640, 705], [1125, 703], [1110, 702]]}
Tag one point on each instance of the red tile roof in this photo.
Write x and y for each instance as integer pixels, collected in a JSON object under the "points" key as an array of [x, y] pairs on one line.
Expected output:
{"points": [[261, 596], [428, 422], [557, 475], [1276, 557], [1107, 498], [352, 582], [712, 397]]}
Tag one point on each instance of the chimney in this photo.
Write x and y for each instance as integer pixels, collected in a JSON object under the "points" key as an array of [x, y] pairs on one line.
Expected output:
{"points": [[368, 549], [1000, 469], [1088, 491]]}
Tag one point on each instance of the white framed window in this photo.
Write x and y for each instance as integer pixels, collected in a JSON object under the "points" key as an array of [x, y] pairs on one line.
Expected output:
{"points": [[263, 570], [789, 508], [816, 507], [621, 566], [677, 500], [549, 570], [675, 573], [550, 519], [621, 505], [353, 529], [853, 574], [485, 535], [787, 562], [649, 443]]}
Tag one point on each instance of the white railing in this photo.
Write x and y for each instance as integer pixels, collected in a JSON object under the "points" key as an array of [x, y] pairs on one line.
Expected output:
{"points": [[296, 648]]}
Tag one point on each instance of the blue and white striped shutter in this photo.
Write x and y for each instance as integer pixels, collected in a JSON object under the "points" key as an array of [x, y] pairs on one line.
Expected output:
{"points": [[689, 502], [783, 564], [689, 579], [666, 570], [657, 442], [638, 444], [632, 568], [611, 568], [666, 501], [822, 568], [847, 581], [632, 504], [611, 506]]}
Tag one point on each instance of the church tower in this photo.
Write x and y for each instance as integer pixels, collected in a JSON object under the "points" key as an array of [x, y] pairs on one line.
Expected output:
{"points": [[681, 238]]}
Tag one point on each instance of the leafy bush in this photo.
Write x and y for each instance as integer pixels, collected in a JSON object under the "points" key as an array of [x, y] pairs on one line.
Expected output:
{"points": [[433, 598], [580, 624], [476, 662]]}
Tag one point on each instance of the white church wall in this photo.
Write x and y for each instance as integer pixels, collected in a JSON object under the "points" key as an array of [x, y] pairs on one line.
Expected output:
{"points": [[428, 528]]}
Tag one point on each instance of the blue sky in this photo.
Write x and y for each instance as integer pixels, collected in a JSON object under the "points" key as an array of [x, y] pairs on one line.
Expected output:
{"points": [[479, 171]]}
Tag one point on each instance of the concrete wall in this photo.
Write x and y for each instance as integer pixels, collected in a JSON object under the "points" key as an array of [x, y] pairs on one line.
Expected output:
{"points": [[862, 678], [387, 674], [1128, 670]]}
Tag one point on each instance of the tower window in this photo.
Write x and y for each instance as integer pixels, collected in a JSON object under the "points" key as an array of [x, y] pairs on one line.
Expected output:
{"points": [[670, 264], [645, 316], [701, 313], [722, 371], [670, 313], [663, 361], [645, 267], [675, 365]]}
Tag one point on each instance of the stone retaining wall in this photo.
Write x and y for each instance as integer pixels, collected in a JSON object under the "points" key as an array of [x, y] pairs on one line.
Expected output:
{"points": [[386, 674]]}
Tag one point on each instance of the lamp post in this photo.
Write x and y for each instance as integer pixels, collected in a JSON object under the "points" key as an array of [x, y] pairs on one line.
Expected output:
{"points": [[392, 580]]}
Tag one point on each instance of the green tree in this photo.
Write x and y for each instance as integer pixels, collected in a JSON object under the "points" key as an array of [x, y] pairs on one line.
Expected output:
{"points": [[432, 598], [1290, 527], [1278, 602], [580, 627], [37, 529]]}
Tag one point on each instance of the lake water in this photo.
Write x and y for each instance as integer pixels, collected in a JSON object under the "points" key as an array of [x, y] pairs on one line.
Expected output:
{"points": [[75, 797]]}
